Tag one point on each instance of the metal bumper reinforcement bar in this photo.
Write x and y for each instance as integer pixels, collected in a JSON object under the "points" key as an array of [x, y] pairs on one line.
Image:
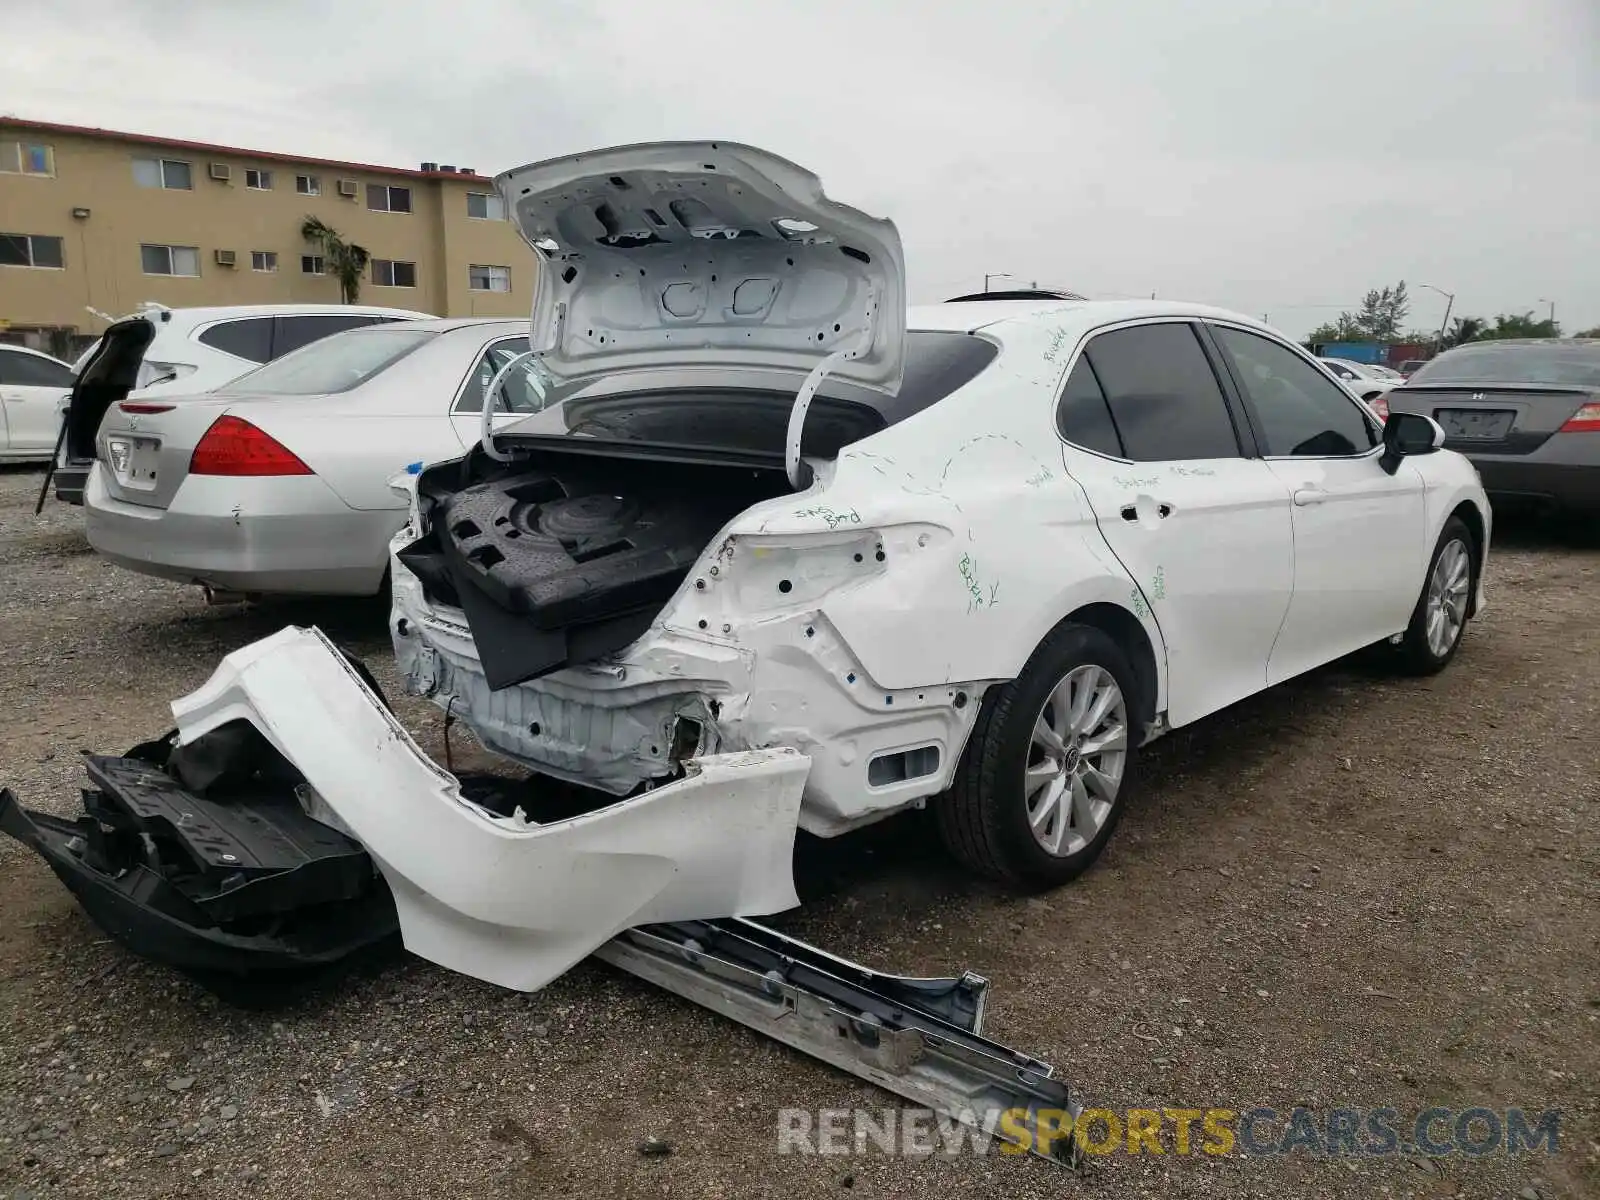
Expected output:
{"points": [[920, 1039]]}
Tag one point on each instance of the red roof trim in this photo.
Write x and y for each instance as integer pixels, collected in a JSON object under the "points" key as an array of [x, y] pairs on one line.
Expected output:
{"points": [[145, 139]]}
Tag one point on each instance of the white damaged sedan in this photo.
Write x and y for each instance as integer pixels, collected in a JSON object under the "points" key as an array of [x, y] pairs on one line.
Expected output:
{"points": [[778, 554]]}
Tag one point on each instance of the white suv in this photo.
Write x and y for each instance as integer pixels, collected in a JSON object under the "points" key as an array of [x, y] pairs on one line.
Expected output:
{"points": [[197, 350]]}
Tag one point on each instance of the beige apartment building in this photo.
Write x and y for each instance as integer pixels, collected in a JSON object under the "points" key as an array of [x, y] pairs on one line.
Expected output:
{"points": [[95, 219]]}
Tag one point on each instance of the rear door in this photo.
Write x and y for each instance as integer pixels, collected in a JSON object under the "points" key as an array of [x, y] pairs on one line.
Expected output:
{"points": [[1200, 523], [31, 391], [1360, 535]]}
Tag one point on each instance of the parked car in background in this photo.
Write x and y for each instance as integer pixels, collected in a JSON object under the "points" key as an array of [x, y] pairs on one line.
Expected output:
{"points": [[193, 350], [32, 388], [1367, 381], [1411, 366], [1525, 411], [279, 481]]}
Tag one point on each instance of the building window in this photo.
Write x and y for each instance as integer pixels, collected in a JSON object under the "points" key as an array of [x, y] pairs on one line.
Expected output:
{"points": [[383, 198], [26, 158], [481, 278], [308, 185], [163, 173], [486, 206], [394, 274], [312, 264], [260, 181], [170, 260], [30, 250], [263, 260]]}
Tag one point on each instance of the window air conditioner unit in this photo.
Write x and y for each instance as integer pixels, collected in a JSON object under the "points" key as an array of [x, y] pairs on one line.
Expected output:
{"points": [[221, 172], [226, 258], [347, 187]]}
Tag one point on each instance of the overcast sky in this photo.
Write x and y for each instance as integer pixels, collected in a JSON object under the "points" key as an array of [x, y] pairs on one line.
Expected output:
{"points": [[1274, 156]]}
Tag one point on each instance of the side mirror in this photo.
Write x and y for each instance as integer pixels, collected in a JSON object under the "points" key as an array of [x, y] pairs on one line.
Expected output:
{"points": [[1405, 434]]}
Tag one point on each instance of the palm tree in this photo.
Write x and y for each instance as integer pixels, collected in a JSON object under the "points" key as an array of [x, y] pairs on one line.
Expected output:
{"points": [[345, 260], [1465, 329]]}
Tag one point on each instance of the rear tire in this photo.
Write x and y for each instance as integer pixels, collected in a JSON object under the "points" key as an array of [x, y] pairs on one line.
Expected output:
{"points": [[1047, 771], [1439, 621]]}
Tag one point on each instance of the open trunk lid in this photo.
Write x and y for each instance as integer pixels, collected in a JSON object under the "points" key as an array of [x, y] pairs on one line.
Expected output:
{"points": [[707, 255], [109, 374]]}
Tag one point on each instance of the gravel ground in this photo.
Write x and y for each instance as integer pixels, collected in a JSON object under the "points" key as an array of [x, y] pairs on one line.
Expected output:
{"points": [[1354, 891]]}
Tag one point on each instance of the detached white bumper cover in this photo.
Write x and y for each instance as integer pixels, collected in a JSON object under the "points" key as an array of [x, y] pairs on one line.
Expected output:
{"points": [[500, 898]]}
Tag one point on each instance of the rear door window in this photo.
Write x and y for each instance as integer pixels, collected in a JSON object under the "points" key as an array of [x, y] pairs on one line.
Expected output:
{"points": [[250, 338], [1083, 416], [1298, 411], [27, 370], [291, 333], [1165, 400]]}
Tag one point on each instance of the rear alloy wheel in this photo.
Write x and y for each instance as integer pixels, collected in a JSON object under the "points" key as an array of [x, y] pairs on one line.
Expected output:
{"points": [[1045, 774], [1440, 618]]}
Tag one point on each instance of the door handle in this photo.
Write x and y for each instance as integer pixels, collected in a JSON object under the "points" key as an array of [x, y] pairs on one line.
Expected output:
{"points": [[1130, 512], [1309, 495]]}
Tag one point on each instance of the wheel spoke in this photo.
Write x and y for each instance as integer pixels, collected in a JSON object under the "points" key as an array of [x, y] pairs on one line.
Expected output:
{"points": [[1083, 696], [1047, 739], [1099, 782], [1083, 818], [1095, 717], [1040, 774], [1049, 820], [1113, 738]]}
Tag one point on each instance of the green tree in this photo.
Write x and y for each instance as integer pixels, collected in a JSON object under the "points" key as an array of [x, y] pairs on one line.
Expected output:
{"points": [[1379, 318], [1464, 329], [1589, 333], [1382, 311], [1345, 329], [1520, 325], [345, 260]]}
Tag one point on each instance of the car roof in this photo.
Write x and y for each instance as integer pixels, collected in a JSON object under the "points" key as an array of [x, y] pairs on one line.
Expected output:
{"points": [[1578, 342], [513, 326], [1083, 314], [199, 315]]}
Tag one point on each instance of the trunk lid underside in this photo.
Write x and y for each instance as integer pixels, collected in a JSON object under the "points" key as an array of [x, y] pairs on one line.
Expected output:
{"points": [[705, 254]]}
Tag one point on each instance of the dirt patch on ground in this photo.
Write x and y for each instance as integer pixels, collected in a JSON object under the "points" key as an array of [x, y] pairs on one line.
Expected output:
{"points": [[1354, 891]]}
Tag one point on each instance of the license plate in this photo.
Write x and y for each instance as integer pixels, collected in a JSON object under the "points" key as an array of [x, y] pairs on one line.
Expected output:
{"points": [[133, 460], [1478, 424]]}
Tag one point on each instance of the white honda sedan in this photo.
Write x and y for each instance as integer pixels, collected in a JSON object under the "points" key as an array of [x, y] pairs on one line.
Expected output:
{"points": [[278, 482]]}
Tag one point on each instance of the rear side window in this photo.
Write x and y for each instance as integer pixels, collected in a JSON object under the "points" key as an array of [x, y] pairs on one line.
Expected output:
{"points": [[1164, 398], [1083, 416], [248, 339], [937, 363], [26, 370], [520, 391], [331, 364], [291, 333], [1299, 412]]}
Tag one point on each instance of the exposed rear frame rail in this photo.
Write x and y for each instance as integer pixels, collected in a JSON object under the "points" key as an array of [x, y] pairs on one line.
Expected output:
{"points": [[920, 1039]]}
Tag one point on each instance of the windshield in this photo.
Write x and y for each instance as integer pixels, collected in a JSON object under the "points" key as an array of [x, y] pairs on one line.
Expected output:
{"points": [[1553, 365], [332, 364]]}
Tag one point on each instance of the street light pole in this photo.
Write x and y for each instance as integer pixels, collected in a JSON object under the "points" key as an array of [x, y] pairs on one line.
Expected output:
{"points": [[1552, 305], [1450, 300]]}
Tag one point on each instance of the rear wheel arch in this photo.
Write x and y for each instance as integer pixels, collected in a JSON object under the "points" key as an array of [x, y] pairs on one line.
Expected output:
{"points": [[1122, 627], [1468, 514]]}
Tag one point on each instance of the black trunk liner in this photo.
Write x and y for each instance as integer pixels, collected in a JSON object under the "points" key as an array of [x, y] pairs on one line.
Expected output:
{"points": [[564, 560]]}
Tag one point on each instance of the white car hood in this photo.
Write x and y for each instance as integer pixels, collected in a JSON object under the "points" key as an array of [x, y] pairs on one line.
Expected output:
{"points": [[705, 254]]}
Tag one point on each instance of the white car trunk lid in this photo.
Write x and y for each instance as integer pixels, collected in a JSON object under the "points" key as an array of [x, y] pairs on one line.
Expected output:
{"points": [[705, 254]]}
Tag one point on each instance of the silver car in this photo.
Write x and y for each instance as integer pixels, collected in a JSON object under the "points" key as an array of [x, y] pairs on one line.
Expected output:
{"points": [[278, 482]]}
